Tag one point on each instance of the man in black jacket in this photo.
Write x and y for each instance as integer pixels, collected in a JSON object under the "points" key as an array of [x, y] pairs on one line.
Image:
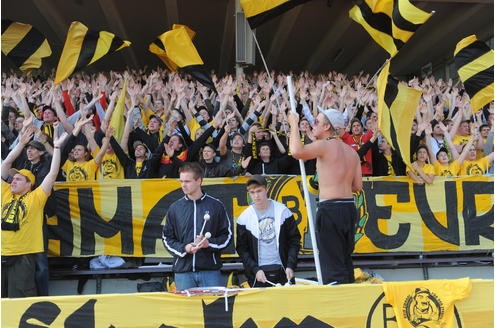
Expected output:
{"points": [[268, 239], [197, 228]]}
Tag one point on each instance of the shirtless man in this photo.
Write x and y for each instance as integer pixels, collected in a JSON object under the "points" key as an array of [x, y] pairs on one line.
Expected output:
{"points": [[339, 171]]}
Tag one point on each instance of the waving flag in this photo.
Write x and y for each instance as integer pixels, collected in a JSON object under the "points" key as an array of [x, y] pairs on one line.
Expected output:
{"points": [[391, 23], [473, 60], [117, 119], [397, 105], [176, 49], [258, 12], [24, 45], [83, 47]]}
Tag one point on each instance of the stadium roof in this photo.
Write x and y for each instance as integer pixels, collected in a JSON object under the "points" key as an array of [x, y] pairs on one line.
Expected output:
{"points": [[317, 36]]}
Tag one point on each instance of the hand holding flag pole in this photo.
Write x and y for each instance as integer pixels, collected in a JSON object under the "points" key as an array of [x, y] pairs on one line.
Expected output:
{"points": [[311, 224]]}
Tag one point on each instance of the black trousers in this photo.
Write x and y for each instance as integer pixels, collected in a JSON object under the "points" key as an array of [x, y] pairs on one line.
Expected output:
{"points": [[335, 229]]}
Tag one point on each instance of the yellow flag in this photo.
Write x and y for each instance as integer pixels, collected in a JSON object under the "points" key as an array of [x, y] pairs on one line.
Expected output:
{"points": [[117, 120], [397, 105], [24, 45], [473, 60], [83, 47], [176, 49], [391, 23]]}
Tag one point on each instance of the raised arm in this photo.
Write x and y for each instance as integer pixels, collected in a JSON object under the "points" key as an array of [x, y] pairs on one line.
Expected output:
{"points": [[49, 179], [14, 153], [104, 145], [222, 146]]}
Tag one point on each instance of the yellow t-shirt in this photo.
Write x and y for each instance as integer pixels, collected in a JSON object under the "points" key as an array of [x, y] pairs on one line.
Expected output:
{"points": [[110, 168], [461, 140], [139, 167], [390, 168], [450, 170], [29, 238], [477, 167], [427, 169], [428, 303], [84, 171]]}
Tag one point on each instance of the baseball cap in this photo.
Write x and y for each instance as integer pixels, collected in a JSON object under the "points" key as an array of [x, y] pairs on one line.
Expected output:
{"points": [[256, 179], [36, 144], [24, 172], [140, 143], [334, 116]]}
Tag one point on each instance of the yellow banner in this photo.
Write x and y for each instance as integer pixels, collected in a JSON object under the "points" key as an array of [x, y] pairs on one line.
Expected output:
{"points": [[357, 305], [126, 217]]}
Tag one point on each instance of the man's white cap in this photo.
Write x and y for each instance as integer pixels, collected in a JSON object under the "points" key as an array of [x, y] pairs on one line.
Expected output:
{"points": [[334, 116]]}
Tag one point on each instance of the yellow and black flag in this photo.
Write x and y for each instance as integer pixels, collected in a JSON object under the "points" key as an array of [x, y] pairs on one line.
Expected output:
{"points": [[83, 47], [397, 105], [258, 12], [473, 60], [391, 23], [24, 45], [176, 49]]}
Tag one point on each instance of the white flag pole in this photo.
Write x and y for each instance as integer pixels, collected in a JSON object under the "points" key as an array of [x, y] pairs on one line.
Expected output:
{"points": [[311, 223]]}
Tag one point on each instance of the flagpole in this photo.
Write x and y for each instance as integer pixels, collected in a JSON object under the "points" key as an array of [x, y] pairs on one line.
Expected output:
{"points": [[262, 57], [377, 72], [316, 253]]}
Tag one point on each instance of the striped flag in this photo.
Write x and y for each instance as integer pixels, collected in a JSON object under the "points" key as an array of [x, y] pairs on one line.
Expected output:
{"points": [[83, 47], [24, 45], [391, 23], [397, 105], [176, 49], [474, 63], [258, 12]]}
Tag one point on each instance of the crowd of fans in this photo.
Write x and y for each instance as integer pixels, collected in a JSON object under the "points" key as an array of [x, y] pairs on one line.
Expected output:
{"points": [[241, 129]]}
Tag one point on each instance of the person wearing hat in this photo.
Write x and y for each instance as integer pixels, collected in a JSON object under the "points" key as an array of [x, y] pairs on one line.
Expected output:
{"points": [[142, 166], [339, 175], [268, 240], [34, 159], [22, 221]]}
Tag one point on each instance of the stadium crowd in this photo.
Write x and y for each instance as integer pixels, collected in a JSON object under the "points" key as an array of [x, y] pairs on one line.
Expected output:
{"points": [[241, 130], [146, 124]]}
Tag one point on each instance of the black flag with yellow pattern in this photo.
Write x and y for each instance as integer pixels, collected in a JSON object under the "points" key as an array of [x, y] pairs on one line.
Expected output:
{"points": [[397, 105], [473, 60], [24, 45], [258, 12], [176, 49], [391, 23], [83, 47]]}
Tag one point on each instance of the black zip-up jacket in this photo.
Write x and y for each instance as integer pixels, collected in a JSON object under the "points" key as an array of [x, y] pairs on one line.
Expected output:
{"points": [[148, 169], [184, 221]]}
